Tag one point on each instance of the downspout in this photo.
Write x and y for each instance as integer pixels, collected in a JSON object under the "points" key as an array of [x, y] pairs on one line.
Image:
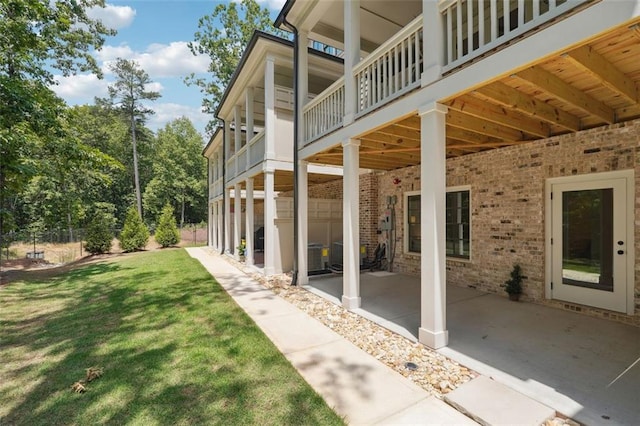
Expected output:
{"points": [[224, 187], [208, 206], [296, 108]]}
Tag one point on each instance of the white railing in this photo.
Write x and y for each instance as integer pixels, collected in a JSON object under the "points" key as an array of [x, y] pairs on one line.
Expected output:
{"points": [[215, 189], [324, 113], [231, 168], [391, 70], [256, 149], [241, 160], [473, 28]]}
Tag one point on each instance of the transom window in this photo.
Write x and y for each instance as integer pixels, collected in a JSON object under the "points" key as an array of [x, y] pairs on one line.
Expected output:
{"points": [[458, 235]]}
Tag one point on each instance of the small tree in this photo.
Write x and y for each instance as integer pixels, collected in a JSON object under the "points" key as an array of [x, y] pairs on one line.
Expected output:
{"points": [[99, 233], [135, 234], [167, 231]]}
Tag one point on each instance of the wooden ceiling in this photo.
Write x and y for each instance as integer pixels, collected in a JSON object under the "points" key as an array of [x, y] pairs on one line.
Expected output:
{"points": [[283, 180], [592, 85]]}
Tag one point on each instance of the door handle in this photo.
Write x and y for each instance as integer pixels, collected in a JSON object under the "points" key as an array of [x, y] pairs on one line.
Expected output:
{"points": [[620, 251]]}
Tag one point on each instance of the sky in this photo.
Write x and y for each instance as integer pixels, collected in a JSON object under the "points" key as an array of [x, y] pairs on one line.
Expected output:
{"points": [[155, 34]]}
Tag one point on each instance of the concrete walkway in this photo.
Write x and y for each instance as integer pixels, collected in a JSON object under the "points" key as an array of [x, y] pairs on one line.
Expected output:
{"points": [[357, 386]]}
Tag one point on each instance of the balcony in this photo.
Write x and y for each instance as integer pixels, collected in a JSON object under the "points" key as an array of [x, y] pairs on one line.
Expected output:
{"points": [[248, 156], [215, 189], [471, 29]]}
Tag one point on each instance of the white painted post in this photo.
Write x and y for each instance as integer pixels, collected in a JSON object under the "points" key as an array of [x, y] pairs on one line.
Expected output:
{"points": [[433, 42], [269, 109], [433, 332], [237, 118], [351, 57], [227, 221], [237, 219], [249, 222], [351, 224], [269, 222], [249, 111], [303, 223], [220, 224]]}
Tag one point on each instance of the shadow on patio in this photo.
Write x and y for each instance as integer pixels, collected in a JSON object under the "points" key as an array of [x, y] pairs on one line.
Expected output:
{"points": [[565, 360]]}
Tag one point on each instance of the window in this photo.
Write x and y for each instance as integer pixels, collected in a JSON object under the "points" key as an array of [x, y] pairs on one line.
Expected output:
{"points": [[457, 239]]}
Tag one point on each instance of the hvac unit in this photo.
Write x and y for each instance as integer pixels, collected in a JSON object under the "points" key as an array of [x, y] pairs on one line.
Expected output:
{"points": [[337, 252], [318, 257]]}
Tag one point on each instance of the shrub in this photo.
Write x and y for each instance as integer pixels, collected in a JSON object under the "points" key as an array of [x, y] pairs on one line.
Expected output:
{"points": [[167, 231], [135, 234], [514, 284], [99, 233]]}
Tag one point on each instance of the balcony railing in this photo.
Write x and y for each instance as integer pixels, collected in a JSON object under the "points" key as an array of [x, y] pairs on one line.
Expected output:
{"points": [[231, 170], [215, 189], [473, 28], [256, 149], [391, 70], [325, 112]]}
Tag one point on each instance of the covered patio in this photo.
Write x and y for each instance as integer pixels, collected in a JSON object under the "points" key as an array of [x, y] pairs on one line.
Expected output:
{"points": [[583, 367]]}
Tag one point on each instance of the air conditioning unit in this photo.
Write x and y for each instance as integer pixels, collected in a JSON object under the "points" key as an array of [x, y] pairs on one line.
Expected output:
{"points": [[337, 254], [318, 257]]}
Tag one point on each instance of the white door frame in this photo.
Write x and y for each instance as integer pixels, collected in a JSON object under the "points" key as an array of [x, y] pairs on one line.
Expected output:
{"points": [[628, 175]]}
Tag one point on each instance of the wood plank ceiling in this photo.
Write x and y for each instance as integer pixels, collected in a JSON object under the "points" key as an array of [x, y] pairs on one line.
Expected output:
{"points": [[591, 85], [283, 180]]}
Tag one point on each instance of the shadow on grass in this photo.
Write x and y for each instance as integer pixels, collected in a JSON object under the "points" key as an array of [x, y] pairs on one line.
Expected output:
{"points": [[174, 348]]}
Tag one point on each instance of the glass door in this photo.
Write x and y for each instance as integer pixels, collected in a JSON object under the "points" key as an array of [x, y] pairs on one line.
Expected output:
{"points": [[589, 243]]}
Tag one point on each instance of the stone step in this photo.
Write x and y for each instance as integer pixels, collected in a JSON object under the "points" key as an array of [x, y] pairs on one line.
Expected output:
{"points": [[491, 403]]}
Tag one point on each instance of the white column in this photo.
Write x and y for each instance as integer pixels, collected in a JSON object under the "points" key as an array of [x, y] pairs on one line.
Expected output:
{"points": [[249, 111], [227, 221], [433, 330], [227, 140], [269, 222], [210, 225], [433, 42], [351, 56], [269, 109], [351, 224], [237, 119], [214, 226], [220, 224], [237, 219], [303, 223], [249, 221]]}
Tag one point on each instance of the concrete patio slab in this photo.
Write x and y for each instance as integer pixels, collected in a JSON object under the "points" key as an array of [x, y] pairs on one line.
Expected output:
{"points": [[430, 411], [492, 403]]}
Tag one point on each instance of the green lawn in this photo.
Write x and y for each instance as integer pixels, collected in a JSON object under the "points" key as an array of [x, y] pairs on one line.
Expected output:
{"points": [[174, 347]]}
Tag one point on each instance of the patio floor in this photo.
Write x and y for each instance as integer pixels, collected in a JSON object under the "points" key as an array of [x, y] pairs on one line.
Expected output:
{"points": [[565, 360]]}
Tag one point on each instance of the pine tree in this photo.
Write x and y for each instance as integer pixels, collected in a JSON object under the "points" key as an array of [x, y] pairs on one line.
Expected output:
{"points": [[135, 234], [167, 232], [99, 233]]}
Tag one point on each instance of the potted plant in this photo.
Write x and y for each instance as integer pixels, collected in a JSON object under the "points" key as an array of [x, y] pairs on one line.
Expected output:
{"points": [[242, 249], [513, 286]]}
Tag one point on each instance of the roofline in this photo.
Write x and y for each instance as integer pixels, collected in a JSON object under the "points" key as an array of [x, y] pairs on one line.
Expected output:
{"points": [[204, 150], [282, 16], [257, 35]]}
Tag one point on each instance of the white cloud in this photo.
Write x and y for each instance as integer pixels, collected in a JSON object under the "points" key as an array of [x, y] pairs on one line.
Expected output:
{"points": [[154, 87], [81, 88], [114, 17], [272, 4], [166, 112], [158, 60]]}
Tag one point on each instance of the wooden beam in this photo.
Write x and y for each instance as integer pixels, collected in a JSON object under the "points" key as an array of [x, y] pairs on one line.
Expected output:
{"points": [[500, 115], [400, 132], [390, 140], [512, 98], [478, 125], [471, 137], [587, 59], [570, 94], [364, 152]]}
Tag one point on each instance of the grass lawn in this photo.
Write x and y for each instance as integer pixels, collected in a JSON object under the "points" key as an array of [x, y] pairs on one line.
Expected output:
{"points": [[174, 347]]}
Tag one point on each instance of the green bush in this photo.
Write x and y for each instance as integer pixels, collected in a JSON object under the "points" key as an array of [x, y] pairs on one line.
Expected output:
{"points": [[99, 233], [167, 231], [135, 234]]}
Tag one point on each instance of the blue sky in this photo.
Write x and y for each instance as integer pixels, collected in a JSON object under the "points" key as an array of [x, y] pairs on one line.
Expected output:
{"points": [[154, 33]]}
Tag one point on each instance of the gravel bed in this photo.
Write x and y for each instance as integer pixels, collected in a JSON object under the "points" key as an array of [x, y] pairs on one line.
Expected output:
{"points": [[435, 373]]}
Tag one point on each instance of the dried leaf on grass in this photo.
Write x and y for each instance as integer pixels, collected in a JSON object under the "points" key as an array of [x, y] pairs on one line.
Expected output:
{"points": [[78, 387], [94, 373]]}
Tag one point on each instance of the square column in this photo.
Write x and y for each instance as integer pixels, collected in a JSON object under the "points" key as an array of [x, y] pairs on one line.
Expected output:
{"points": [[220, 225], [433, 51], [237, 119], [237, 219], [433, 330], [249, 94], [269, 222], [227, 221], [269, 108], [249, 221], [213, 223], [303, 223], [351, 224], [351, 57]]}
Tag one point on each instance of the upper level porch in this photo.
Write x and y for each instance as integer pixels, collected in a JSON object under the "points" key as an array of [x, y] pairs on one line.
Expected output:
{"points": [[393, 49]]}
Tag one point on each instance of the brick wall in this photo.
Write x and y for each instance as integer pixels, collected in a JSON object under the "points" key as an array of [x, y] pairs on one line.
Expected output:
{"points": [[507, 209]]}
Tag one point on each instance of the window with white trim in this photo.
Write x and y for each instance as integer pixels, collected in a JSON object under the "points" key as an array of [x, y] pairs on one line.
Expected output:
{"points": [[457, 222]]}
